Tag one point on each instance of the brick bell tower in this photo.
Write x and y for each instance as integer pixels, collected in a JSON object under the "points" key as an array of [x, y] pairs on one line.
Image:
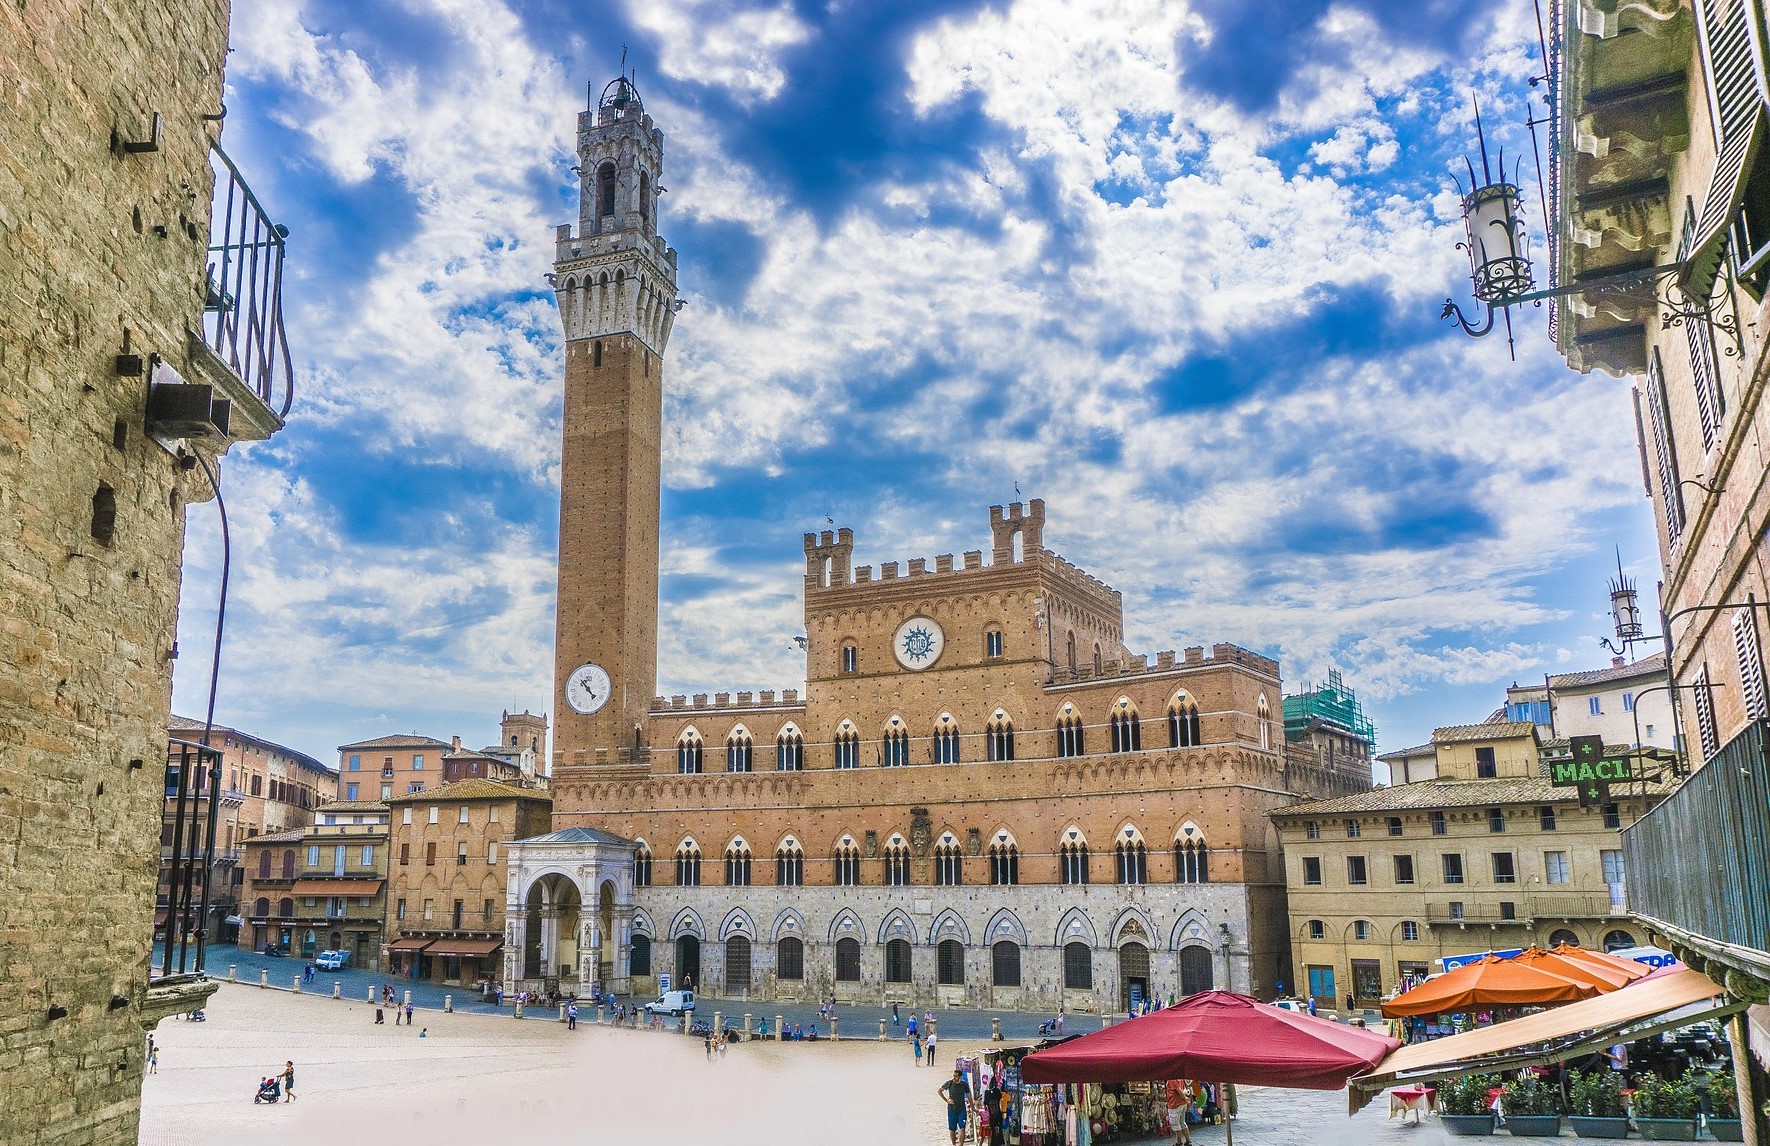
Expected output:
{"points": [[615, 280]]}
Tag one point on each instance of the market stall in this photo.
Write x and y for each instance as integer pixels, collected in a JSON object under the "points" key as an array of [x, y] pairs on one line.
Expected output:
{"points": [[1217, 1036]]}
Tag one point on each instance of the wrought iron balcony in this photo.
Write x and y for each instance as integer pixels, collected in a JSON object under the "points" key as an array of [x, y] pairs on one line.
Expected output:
{"points": [[243, 306], [1699, 862]]}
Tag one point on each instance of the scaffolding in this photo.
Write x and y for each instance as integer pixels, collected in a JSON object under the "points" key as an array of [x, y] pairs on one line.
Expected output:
{"points": [[1331, 703]]}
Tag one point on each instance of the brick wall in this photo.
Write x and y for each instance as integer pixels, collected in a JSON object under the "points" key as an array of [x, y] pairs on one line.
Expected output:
{"points": [[93, 249]]}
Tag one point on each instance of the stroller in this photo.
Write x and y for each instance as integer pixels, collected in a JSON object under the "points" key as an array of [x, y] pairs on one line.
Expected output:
{"points": [[270, 1090], [1048, 1027]]}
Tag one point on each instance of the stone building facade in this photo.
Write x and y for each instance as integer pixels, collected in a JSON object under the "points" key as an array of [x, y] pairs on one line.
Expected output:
{"points": [[448, 883], [319, 888], [1483, 854], [105, 188], [982, 796], [277, 788]]}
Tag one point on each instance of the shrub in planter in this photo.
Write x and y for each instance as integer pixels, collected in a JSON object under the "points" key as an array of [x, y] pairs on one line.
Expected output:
{"points": [[1723, 1114], [1597, 1106], [1533, 1108], [1665, 1110], [1463, 1105]]}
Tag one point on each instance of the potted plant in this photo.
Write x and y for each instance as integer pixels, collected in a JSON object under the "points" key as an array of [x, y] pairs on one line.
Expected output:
{"points": [[1723, 1113], [1665, 1109], [1597, 1104], [1463, 1105], [1532, 1108]]}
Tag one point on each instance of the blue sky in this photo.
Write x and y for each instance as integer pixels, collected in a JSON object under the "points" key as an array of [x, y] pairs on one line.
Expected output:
{"points": [[1173, 266]]}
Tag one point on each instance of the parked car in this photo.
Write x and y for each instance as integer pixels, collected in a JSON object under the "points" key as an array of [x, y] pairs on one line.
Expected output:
{"points": [[276, 948], [672, 1003], [1297, 1005], [332, 960]]}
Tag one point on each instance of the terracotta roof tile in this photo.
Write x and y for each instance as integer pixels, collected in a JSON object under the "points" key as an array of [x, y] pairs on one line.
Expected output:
{"points": [[1494, 730], [471, 789]]}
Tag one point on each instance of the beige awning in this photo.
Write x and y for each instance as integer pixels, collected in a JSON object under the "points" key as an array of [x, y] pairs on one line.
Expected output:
{"points": [[1657, 1003], [1708, 242]]}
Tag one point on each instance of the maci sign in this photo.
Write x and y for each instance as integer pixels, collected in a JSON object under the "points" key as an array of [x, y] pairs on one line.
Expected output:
{"points": [[1588, 764]]}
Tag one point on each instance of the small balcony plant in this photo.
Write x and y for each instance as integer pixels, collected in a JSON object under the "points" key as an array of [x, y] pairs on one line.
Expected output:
{"points": [[1532, 1107], [1463, 1105], [1597, 1104], [1665, 1109]]}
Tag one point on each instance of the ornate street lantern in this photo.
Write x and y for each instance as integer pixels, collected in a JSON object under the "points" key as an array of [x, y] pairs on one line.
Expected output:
{"points": [[1495, 239]]}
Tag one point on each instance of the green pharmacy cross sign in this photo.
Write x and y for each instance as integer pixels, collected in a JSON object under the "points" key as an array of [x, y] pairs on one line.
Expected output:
{"points": [[1589, 770]]}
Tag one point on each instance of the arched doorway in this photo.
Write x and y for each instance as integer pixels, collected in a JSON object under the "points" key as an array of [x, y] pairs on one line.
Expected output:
{"points": [[550, 932], [1563, 937], [1133, 976], [1196, 970], [737, 964], [688, 961], [1617, 940]]}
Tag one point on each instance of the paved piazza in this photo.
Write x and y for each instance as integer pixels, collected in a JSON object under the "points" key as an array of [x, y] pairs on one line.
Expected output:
{"points": [[477, 1078]]}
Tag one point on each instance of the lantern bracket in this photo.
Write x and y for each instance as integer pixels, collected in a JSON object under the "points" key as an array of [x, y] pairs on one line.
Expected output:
{"points": [[1658, 286]]}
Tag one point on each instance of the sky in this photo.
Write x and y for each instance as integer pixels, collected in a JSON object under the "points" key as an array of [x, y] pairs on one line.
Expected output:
{"points": [[1174, 266]]}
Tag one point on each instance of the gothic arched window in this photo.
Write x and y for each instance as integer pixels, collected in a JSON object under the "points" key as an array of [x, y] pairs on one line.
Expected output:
{"points": [[1127, 730], [645, 198], [999, 737], [949, 863], [897, 744], [1004, 861], [789, 750], [642, 865], [789, 864], [737, 863], [688, 864], [1192, 861], [847, 746], [1183, 725], [847, 863], [605, 191], [739, 749], [897, 863], [946, 741], [688, 752], [1072, 857], [1132, 858], [1069, 732]]}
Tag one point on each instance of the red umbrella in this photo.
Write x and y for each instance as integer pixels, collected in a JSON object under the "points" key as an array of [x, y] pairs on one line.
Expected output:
{"points": [[1220, 1037]]}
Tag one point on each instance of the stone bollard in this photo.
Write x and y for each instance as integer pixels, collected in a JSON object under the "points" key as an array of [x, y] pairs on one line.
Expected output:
{"points": [[881, 1030], [232, 973], [264, 977], [337, 990], [746, 1024], [686, 1017], [370, 997], [933, 1026], [562, 1012], [1105, 1020], [297, 987], [448, 1004], [519, 1008], [601, 1010], [833, 1027], [995, 1029], [718, 1023], [780, 1030], [408, 998]]}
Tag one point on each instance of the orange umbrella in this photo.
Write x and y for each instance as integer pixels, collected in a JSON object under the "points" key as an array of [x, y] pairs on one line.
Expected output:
{"points": [[1489, 981], [1627, 967], [1557, 962]]}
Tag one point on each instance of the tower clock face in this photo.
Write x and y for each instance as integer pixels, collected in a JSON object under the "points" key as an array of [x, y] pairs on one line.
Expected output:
{"points": [[918, 643], [587, 689]]}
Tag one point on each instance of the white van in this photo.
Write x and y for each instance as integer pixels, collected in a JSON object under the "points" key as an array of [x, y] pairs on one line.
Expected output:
{"points": [[671, 1003], [332, 960]]}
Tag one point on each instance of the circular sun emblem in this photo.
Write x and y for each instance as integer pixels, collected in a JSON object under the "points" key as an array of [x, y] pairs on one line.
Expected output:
{"points": [[918, 643]]}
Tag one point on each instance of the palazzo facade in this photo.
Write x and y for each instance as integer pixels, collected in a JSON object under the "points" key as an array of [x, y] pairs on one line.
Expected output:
{"points": [[982, 798]]}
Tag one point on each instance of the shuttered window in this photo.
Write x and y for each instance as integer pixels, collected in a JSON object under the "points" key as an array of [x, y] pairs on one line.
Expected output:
{"points": [[1735, 95], [1751, 663], [1665, 451], [1705, 715]]}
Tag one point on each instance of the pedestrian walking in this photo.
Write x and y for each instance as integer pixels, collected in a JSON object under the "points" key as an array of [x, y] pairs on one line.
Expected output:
{"points": [[153, 1059], [571, 1016], [500, 994], [289, 1081], [916, 1041], [1179, 1106], [956, 1091], [932, 1039], [1060, 1020], [895, 1021], [408, 1014]]}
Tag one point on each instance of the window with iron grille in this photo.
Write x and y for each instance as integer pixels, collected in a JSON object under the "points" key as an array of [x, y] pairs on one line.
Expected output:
{"points": [[1078, 967], [1005, 963], [897, 960], [1438, 824], [789, 959], [848, 960], [1496, 819], [950, 962], [1546, 817]]}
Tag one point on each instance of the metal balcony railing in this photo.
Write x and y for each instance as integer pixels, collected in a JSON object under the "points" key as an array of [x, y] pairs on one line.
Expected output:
{"points": [[243, 319], [1699, 862], [192, 860]]}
